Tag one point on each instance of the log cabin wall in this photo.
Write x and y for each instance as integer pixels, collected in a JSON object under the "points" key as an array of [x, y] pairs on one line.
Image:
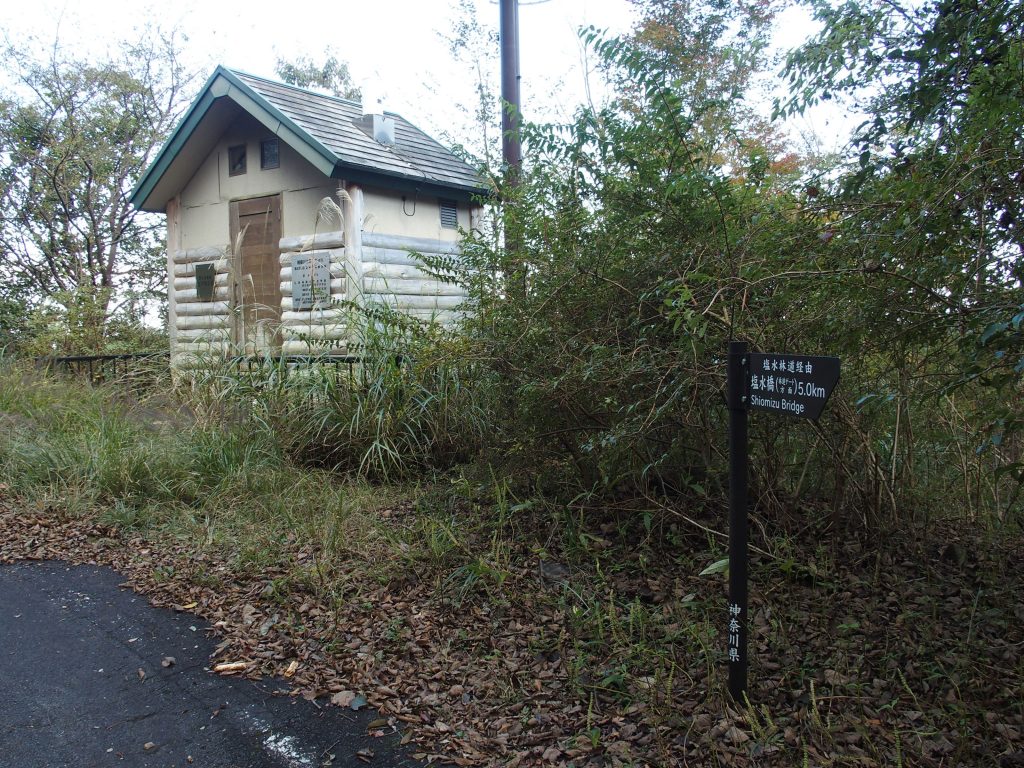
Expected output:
{"points": [[393, 275], [201, 327], [400, 200], [390, 273]]}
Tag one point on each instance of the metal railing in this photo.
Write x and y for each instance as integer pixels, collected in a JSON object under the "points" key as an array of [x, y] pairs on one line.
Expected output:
{"points": [[258, 363], [285, 363], [100, 368]]}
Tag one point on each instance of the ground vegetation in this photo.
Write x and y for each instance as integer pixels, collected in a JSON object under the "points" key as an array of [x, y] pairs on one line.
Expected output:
{"points": [[509, 535]]}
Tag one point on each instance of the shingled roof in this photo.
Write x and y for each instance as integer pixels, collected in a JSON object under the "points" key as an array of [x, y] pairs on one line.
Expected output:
{"points": [[320, 128]]}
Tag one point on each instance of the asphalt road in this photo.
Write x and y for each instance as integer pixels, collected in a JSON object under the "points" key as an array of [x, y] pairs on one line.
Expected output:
{"points": [[71, 647]]}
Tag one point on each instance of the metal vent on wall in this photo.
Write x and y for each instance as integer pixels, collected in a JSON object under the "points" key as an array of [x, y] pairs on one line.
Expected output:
{"points": [[206, 275], [449, 214]]}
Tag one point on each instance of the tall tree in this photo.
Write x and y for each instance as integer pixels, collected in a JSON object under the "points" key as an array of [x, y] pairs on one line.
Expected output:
{"points": [[332, 76], [930, 199], [74, 138], [712, 48], [711, 51], [473, 42], [927, 207]]}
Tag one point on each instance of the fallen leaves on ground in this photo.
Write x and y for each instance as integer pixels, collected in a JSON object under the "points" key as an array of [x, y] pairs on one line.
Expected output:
{"points": [[879, 661]]}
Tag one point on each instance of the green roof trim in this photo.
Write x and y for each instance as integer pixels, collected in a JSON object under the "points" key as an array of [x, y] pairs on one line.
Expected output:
{"points": [[322, 130], [175, 142]]}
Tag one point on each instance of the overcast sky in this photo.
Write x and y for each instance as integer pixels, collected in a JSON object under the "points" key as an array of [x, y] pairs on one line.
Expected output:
{"points": [[396, 49]]}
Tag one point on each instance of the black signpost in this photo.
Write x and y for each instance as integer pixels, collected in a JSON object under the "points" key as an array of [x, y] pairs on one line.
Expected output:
{"points": [[790, 385], [738, 459]]}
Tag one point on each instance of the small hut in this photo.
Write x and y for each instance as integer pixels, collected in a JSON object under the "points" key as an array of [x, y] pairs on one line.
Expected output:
{"points": [[256, 258]]}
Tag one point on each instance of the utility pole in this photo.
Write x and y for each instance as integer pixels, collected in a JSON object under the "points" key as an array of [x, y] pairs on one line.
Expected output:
{"points": [[511, 117], [511, 148]]}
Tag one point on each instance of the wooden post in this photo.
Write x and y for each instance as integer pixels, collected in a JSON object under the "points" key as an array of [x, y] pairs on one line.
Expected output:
{"points": [[173, 246], [352, 207]]}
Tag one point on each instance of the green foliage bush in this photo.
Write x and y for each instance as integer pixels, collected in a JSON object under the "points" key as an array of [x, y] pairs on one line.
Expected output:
{"points": [[645, 248], [639, 249]]}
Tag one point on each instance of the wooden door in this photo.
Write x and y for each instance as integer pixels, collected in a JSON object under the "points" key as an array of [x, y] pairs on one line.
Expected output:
{"points": [[255, 236]]}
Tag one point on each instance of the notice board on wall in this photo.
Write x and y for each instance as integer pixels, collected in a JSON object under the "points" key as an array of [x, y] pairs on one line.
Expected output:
{"points": [[311, 281]]}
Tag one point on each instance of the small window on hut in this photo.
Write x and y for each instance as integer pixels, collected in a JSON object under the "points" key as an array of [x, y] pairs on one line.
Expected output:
{"points": [[449, 214], [270, 154], [236, 160]]}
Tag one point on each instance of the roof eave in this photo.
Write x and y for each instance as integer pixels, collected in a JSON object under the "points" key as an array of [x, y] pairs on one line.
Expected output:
{"points": [[156, 169], [225, 84], [365, 175]]}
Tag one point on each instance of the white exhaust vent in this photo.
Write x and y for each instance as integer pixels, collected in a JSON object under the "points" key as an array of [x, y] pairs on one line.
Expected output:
{"points": [[380, 128]]}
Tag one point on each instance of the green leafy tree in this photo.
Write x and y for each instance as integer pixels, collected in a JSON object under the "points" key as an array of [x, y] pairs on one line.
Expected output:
{"points": [[932, 190], [474, 43], [711, 49], [636, 237], [331, 76], [927, 207], [74, 137], [648, 246]]}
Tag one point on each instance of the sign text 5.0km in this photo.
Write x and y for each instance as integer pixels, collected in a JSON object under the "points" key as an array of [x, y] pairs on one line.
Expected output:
{"points": [[792, 385]]}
